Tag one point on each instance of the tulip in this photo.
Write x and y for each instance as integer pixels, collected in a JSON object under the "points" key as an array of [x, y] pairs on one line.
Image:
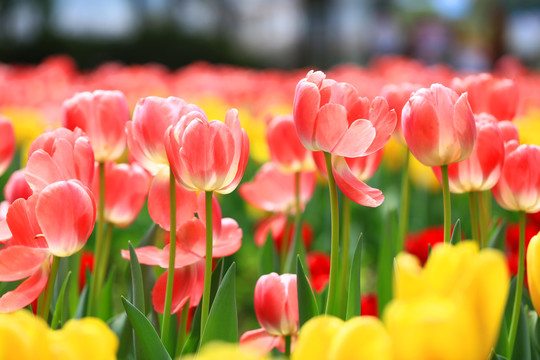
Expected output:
{"points": [[102, 116], [285, 146], [60, 155], [318, 264], [277, 227], [533, 270], [397, 96], [17, 187], [498, 97], [450, 309], [7, 144], [208, 156], [217, 351], [276, 308], [419, 243]]}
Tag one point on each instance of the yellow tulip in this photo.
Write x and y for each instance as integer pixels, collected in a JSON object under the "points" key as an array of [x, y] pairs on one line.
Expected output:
{"points": [[533, 270], [450, 309], [315, 338], [23, 336], [221, 351]]}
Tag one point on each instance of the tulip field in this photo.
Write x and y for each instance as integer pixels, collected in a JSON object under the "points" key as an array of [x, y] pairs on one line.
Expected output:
{"points": [[390, 211]]}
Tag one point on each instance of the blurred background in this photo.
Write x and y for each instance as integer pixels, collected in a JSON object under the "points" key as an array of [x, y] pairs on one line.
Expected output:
{"points": [[469, 35]]}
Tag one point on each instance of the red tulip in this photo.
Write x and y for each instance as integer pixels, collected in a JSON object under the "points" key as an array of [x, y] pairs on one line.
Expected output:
{"points": [[7, 144], [273, 190], [397, 96], [17, 187], [146, 132], [438, 126], [285, 146], [102, 116], [498, 97], [332, 117], [369, 305], [123, 203], [482, 169], [418, 243], [87, 263], [518, 188], [275, 226], [60, 155], [208, 155], [318, 264]]}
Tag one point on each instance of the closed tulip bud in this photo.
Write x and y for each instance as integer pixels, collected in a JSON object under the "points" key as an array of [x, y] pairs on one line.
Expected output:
{"points": [[276, 303], [438, 126], [208, 155], [482, 169], [102, 115], [533, 270], [518, 188]]}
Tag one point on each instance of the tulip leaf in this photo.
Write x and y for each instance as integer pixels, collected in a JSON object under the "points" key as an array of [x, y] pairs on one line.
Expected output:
{"points": [[497, 240], [222, 323], [120, 325], [522, 346], [146, 334], [192, 342], [60, 310], [137, 291], [297, 247], [307, 305], [354, 307], [456, 233], [217, 276], [498, 357], [269, 257], [83, 299], [106, 298], [385, 259]]}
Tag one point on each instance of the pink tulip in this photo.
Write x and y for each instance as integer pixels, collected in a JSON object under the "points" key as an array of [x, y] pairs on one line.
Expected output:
{"points": [[273, 190], [276, 308], [60, 155], [285, 146], [146, 132], [518, 188], [397, 96], [365, 166], [332, 117], [208, 155], [123, 203], [509, 131], [498, 97], [102, 116], [7, 144], [17, 187], [482, 169], [56, 221], [438, 126]]}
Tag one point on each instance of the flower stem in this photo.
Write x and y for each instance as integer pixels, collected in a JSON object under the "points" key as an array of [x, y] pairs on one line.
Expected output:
{"points": [[473, 209], [44, 311], [446, 204], [484, 199], [287, 346], [208, 262], [285, 246], [297, 247], [344, 283], [93, 303], [184, 314], [334, 250], [519, 286], [166, 325], [404, 205]]}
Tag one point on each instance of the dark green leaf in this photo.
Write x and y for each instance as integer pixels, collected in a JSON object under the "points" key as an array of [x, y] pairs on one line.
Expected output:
{"points": [[60, 310], [269, 257], [297, 248], [146, 334], [137, 288], [106, 298], [456, 233], [497, 240], [83, 299], [307, 305], [354, 307], [192, 343], [222, 323], [122, 328], [385, 259]]}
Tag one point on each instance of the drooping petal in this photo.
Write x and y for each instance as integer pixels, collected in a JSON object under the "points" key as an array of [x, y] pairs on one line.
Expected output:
{"points": [[352, 187], [259, 340], [26, 292], [23, 224], [19, 262], [184, 280], [149, 255]]}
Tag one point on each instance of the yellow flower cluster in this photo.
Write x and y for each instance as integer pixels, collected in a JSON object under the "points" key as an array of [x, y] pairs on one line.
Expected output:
{"points": [[533, 270], [450, 309], [23, 336]]}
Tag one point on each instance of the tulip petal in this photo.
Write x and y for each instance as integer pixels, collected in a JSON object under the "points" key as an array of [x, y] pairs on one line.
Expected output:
{"points": [[41, 171], [26, 292], [384, 121], [330, 127], [352, 187], [66, 213], [356, 140], [316, 337], [149, 255], [19, 262], [5, 233], [259, 340], [306, 107], [23, 224], [184, 280], [229, 240]]}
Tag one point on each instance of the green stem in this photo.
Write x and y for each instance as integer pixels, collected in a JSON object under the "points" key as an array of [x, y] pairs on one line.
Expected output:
{"points": [[447, 205], [404, 205], [519, 287], [334, 250], [184, 314], [285, 244], [473, 209], [297, 247], [45, 306], [344, 283], [208, 262], [95, 287], [484, 215], [103, 261], [287, 346], [166, 325]]}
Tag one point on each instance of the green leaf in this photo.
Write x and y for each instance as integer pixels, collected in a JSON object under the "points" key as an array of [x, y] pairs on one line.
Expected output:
{"points": [[522, 346], [222, 323], [137, 292], [456, 233], [122, 328], [269, 257], [297, 248], [83, 299], [60, 310], [106, 298], [498, 357], [385, 260], [192, 343], [146, 334], [307, 305], [354, 307], [497, 240], [217, 276]]}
